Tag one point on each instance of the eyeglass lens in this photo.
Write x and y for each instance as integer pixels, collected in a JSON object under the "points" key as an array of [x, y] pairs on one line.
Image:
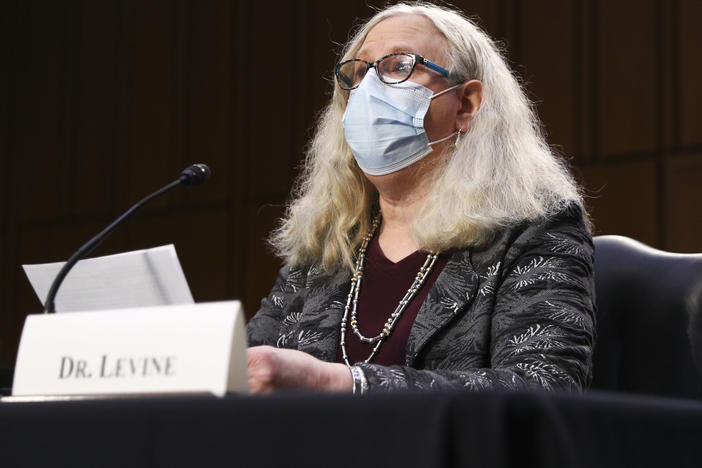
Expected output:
{"points": [[391, 69]]}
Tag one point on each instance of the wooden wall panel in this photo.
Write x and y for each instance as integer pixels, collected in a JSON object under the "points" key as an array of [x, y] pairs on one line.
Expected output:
{"points": [[586, 140], [154, 101], [91, 133], [626, 76], [41, 111], [274, 63], [484, 12], [684, 226], [622, 199], [273, 87], [549, 62], [239, 129], [690, 37], [208, 74], [7, 25]]}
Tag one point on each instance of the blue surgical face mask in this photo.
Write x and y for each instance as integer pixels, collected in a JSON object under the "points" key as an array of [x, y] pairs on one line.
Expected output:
{"points": [[384, 124]]}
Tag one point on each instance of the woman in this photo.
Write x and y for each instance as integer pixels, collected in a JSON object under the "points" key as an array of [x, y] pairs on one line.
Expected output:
{"points": [[434, 241]]}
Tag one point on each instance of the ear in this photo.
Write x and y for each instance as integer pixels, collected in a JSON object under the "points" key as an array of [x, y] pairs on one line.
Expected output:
{"points": [[471, 96]]}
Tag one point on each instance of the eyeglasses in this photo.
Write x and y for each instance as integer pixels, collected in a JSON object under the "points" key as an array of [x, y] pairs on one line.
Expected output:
{"points": [[392, 69]]}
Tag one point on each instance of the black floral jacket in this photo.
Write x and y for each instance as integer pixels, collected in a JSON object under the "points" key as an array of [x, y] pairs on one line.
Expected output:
{"points": [[514, 314]]}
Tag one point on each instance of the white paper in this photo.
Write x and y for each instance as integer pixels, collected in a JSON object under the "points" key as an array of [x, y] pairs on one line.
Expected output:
{"points": [[140, 278]]}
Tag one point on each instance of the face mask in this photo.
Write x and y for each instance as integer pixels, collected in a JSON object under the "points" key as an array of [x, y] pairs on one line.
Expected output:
{"points": [[384, 124]]}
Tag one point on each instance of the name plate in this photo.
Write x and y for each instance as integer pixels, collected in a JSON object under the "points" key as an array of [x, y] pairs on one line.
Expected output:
{"points": [[194, 348]]}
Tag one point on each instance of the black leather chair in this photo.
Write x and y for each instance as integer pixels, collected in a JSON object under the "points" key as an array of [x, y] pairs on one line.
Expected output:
{"points": [[649, 319]]}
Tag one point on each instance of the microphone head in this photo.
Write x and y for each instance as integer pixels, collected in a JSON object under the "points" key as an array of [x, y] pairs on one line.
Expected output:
{"points": [[195, 174]]}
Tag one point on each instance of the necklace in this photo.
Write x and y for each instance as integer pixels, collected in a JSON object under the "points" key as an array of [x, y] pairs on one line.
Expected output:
{"points": [[352, 299]]}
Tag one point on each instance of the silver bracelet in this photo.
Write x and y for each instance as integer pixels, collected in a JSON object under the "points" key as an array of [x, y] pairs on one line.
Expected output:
{"points": [[360, 384]]}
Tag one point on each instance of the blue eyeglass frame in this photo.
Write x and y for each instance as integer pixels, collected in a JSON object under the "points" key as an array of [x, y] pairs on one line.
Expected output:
{"points": [[417, 59]]}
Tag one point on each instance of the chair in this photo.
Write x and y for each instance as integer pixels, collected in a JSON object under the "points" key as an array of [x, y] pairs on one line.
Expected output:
{"points": [[649, 319]]}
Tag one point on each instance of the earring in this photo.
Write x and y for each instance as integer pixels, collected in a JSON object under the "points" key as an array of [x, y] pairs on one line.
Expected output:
{"points": [[458, 138]]}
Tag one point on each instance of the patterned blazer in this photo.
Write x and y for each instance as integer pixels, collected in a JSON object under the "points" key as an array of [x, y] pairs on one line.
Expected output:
{"points": [[513, 314]]}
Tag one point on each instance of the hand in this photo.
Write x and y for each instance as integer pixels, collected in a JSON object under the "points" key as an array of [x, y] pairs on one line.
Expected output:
{"points": [[272, 369]]}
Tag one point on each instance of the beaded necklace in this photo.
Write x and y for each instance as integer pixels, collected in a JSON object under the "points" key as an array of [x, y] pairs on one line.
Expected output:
{"points": [[352, 299]]}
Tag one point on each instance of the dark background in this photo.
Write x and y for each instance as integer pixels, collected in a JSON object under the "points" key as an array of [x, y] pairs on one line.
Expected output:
{"points": [[102, 102]]}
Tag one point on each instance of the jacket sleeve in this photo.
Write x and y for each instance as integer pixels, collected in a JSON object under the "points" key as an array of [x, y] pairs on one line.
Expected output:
{"points": [[542, 324], [264, 327]]}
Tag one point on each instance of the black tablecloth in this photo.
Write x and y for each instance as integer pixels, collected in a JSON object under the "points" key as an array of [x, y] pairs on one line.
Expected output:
{"points": [[423, 430]]}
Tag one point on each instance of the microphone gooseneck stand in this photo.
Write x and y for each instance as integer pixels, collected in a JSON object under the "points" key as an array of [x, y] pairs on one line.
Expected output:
{"points": [[193, 175]]}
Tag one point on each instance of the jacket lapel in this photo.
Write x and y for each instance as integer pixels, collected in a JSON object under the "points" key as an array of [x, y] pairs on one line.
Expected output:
{"points": [[453, 291]]}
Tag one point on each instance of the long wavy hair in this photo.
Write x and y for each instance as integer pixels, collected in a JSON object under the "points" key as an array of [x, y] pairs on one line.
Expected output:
{"points": [[501, 173]]}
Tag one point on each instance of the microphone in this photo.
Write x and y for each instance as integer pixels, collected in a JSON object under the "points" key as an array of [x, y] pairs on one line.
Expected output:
{"points": [[195, 174]]}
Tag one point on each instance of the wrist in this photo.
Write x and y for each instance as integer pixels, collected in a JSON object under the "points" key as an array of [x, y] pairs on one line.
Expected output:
{"points": [[339, 378]]}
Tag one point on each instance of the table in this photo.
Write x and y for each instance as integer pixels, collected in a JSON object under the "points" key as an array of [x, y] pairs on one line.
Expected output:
{"points": [[489, 429]]}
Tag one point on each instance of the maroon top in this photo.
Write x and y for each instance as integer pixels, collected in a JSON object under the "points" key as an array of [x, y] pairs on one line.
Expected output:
{"points": [[384, 283]]}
